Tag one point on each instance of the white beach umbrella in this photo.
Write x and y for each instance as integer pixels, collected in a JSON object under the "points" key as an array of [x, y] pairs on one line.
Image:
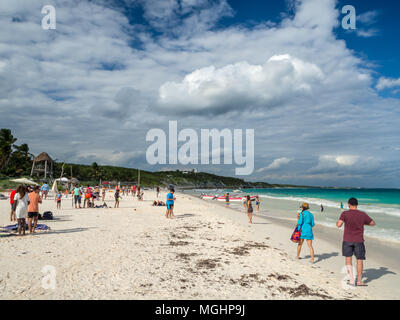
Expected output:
{"points": [[24, 181]]}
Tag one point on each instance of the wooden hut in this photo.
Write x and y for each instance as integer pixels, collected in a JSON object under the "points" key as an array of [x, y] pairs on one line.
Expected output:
{"points": [[42, 165]]}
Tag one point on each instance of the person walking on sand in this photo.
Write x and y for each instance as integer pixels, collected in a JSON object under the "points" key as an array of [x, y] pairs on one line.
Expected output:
{"points": [[170, 204], [21, 202], [249, 209], [306, 223], [103, 194], [45, 190], [227, 199], [117, 197], [158, 191], [77, 195], [12, 213], [353, 238], [33, 208], [58, 199]]}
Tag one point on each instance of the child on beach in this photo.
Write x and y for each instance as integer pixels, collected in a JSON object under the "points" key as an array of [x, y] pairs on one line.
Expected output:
{"points": [[58, 199], [21, 202], [170, 204], [306, 223]]}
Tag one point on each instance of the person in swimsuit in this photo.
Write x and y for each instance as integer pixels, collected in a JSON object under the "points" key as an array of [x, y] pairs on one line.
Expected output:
{"points": [[58, 199], [227, 199], [249, 209], [116, 196], [258, 201]]}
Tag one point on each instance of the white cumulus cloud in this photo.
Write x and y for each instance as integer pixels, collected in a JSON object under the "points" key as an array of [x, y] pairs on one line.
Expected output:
{"points": [[276, 164], [241, 84]]}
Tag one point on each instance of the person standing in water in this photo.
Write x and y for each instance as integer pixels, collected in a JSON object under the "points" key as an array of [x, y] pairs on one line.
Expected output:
{"points": [[258, 201], [353, 238], [322, 208], [306, 223], [249, 209]]}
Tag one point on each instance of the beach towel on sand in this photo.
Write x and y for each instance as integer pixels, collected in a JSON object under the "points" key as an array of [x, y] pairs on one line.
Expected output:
{"points": [[14, 227]]}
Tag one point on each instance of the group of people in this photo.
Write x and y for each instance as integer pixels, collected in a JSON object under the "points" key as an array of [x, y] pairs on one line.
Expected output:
{"points": [[25, 206], [354, 221]]}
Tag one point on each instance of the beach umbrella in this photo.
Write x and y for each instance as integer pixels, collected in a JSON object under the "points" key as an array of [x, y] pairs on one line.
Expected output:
{"points": [[62, 180], [24, 181], [54, 187]]}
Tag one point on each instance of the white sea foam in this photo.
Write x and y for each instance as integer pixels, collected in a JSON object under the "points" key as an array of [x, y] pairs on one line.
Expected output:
{"points": [[327, 203]]}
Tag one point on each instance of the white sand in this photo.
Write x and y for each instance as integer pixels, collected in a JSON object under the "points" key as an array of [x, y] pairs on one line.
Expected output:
{"points": [[207, 252]]}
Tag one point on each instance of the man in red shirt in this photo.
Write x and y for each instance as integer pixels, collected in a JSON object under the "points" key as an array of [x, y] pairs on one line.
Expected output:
{"points": [[353, 238], [12, 213]]}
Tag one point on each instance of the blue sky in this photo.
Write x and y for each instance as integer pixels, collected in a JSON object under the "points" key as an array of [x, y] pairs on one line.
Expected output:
{"points": [[324, 103]]}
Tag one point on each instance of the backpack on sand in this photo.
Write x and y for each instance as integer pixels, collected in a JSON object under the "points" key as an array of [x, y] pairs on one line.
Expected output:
{"points": [[48, 215]]}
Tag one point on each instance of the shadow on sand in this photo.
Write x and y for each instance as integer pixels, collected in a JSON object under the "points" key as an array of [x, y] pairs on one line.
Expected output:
{"points": [[323, 256], [186, 215], [66, 231], [372, 274]]}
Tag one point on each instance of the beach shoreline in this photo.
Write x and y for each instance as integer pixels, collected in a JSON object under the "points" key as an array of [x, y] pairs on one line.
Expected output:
{"points": [[134, 252]]}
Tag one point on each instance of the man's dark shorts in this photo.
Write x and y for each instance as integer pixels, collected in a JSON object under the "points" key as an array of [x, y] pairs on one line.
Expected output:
{"points": [[356, 248], [32, 214], [76, 199]]}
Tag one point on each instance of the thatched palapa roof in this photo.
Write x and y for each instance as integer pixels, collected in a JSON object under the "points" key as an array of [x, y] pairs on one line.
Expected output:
{"points": [[43, 157]]}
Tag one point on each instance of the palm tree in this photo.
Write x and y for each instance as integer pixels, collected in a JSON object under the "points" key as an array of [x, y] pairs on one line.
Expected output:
{"points": [[6, 144]]}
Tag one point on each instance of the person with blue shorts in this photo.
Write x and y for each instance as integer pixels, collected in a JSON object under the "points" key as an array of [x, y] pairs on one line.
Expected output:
{"points": [[170, 204]]}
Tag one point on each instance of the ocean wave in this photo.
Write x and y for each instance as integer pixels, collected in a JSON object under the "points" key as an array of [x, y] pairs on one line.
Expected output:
{"points": [[331, 204]]}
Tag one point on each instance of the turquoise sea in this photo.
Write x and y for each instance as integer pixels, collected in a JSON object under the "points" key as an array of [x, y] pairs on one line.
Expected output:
{"points": [[383, 205]]}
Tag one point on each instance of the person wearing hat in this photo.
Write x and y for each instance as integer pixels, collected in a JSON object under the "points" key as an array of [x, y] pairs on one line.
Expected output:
{"points": [[306, 223]]}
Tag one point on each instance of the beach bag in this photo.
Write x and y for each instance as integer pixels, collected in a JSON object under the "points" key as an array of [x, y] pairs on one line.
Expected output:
{"points": [[48, 215], [296, 234]]}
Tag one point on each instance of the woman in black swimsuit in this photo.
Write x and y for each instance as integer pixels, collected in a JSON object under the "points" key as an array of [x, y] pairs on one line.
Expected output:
{"points": [[249, 209]]}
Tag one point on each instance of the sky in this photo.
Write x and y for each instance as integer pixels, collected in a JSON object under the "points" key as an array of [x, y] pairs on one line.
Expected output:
{"points": [[324, 102]]}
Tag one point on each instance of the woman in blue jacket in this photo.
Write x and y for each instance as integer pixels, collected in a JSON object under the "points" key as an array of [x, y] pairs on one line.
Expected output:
{"points": [[306, 223]]}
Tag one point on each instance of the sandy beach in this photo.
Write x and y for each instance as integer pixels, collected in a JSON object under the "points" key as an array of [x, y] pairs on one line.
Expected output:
{"points": [[206, 252]]}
